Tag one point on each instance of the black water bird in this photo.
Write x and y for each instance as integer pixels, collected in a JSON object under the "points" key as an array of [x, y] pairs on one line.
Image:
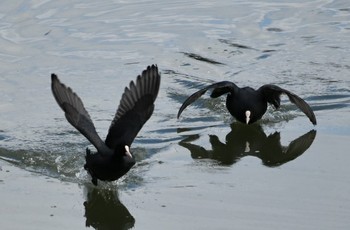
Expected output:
{"points": [[113, 158], [248, 105]]}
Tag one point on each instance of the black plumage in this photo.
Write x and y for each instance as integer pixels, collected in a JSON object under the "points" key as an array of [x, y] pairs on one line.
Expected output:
{"points": [[248, 105], [113, 158]]}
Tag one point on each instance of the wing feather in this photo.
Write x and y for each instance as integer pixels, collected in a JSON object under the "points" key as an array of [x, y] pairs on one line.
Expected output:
{"points": [[272, 94], [219, 89], [75, 112], [135, 108]]}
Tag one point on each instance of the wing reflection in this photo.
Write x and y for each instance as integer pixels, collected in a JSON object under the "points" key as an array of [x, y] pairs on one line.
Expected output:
{"points": [[250, 140], [103, 210]]}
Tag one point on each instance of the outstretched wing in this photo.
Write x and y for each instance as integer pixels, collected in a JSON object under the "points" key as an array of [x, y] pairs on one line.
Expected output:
{"points": [[272, 94], [136, 107], [75, 112], [219, 89]]}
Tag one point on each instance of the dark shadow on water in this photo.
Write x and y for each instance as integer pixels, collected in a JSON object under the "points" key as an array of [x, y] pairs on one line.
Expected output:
{"points": [[244, 140], [103, 210], [201, 58]]}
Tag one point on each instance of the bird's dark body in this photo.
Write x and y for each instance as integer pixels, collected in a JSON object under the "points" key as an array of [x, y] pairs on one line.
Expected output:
{"points": [[247, 102], [243, 100], [107, 167], [112, 159]]}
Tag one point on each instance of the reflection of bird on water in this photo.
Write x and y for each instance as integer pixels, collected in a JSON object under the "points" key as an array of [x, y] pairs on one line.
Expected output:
{"points": [[103, 210], [248, 105], [250, 140], [113, 158]]}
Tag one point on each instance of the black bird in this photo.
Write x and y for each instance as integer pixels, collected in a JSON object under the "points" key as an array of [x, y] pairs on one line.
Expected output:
{"points": [[248, 105], [113, 158]]}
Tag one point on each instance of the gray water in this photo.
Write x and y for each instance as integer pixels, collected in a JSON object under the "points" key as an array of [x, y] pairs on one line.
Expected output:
{"points": [[195, 172]]}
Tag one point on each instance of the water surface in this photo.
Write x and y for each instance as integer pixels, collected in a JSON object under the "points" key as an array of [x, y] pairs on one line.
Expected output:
{"points": [[203, 171]]}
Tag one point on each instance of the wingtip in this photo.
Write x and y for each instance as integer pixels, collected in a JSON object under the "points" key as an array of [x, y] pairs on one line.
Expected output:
{"points": [[153, 73], [149, 68], [54, 82], [53, 76], [178, 115], [312, 117], [180, 111], [314, 122], [153, 66]]}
